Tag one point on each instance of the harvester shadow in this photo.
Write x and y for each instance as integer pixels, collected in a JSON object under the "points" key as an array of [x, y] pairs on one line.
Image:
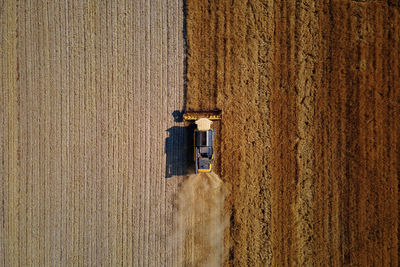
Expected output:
{"points": [[179, 152]]}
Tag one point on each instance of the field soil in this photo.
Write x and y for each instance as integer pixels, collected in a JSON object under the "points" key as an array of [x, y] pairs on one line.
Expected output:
{"points": [[201, 217], [309, 141], [88, 90]]}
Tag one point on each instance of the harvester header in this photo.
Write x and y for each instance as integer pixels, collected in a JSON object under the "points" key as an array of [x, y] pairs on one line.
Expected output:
{"points": [[208, 114]]}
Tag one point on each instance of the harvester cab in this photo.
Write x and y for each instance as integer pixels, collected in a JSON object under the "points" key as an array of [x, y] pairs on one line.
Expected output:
{"points": [[204, 137]]}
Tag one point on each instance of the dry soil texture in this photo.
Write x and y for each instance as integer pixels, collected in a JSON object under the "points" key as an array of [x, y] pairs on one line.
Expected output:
{"points": [[310, 92], [87, 92], [200, 213]]}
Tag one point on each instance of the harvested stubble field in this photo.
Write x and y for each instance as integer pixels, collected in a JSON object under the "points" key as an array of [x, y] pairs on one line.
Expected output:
{"points": [[92, 158], [87, 93], [310, 137]]}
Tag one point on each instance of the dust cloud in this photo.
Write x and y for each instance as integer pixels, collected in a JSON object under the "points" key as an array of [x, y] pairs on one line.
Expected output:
{"points": [[200, 210]]}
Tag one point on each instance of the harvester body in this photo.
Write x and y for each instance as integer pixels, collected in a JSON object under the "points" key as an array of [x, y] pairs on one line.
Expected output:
{"points": [[203, 150], [204, 137]]}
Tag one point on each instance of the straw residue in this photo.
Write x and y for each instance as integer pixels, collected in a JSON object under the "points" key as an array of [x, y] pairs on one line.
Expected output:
{"points": [[200, 212]]}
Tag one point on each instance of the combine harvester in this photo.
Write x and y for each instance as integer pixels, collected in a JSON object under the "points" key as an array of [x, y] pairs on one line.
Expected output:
{"points": [[204, 137]]}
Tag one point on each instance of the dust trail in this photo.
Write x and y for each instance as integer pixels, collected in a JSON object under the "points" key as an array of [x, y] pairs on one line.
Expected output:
{"points": [[201, 215]]}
